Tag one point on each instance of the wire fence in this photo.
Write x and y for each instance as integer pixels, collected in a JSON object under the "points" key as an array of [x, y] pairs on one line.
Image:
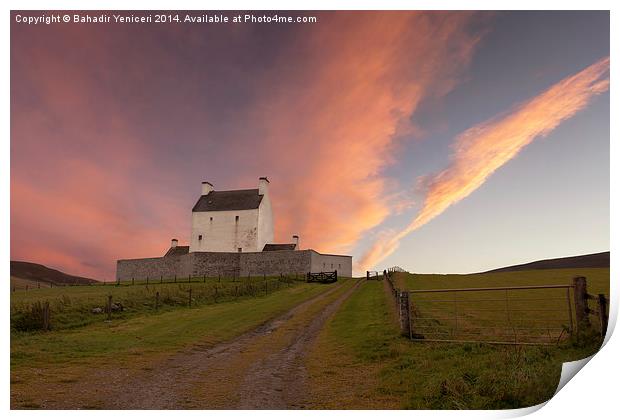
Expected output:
{"points": [[536, 315]]}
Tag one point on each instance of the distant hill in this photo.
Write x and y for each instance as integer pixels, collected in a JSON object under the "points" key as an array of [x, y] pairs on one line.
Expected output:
{"points": [[30, 274], [598, 260]]}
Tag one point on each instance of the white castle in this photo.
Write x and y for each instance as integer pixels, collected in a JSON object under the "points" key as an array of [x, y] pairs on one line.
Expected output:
{"points": [[232, 221], [232, 234]]}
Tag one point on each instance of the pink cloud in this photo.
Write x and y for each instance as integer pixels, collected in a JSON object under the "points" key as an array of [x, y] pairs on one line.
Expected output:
{"points": [[484, 148]]}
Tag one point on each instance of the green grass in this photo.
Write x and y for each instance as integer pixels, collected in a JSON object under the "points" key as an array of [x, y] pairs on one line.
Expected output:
{"points": [[362, 341], [71, 306], [534, 315], [18, 283], [151, 334]]}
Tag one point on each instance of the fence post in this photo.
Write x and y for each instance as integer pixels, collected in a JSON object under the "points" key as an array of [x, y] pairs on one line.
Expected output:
{"points": [[367, 275], [156, 300], [204, 278], [602, 313], [109, 308], [161, 279], [580, 290], [147, 280], [403, 312], [132, 281], [175, 278], [46, 316], [190, 297]]}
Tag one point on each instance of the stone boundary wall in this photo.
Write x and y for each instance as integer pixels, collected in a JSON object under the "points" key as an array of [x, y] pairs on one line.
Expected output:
{"points": [[274, 263], [153, 268], [233, 264]]}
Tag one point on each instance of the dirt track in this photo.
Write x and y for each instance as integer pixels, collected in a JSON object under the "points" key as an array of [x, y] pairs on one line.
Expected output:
{"points": [[262, 369]]}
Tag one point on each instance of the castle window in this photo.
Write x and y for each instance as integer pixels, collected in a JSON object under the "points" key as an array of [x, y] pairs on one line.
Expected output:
{"points": [[200, 237], [236, 218], [210, 219]]}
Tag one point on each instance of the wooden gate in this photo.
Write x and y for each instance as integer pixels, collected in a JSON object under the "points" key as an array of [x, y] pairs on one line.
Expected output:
{"points": [[323, 277]]}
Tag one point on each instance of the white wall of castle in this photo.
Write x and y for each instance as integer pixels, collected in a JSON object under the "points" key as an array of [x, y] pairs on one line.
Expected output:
{"points": [[222, 232], [265, 222]]}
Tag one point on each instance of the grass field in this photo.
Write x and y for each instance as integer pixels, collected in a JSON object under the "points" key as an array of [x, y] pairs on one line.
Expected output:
{"points": [[18, 283], [361, 361], [71, 306], [530, 315], [41, 362]]}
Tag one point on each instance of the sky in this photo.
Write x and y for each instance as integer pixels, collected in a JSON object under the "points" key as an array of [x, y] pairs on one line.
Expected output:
{"points": [[440, 142]]}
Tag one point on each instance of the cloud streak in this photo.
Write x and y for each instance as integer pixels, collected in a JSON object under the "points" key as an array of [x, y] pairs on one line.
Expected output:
{"points": [[331, 123], [110, 139], [484, 148]]}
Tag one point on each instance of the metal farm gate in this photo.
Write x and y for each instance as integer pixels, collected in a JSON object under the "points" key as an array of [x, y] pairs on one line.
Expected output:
{"points": [[536, 315], [500, 315]]}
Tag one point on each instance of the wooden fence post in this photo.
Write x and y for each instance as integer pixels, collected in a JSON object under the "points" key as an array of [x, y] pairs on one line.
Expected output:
{"points": [[204, 278], [147, 280], [580, 290], [46, 316], [602, 313], [367, 275], [175, 278], [404, 315], [132, 281], [156, 300], [161, 279], [190, 297], [109, 307]]}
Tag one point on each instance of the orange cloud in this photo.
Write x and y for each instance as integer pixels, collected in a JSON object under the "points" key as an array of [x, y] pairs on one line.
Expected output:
{"points": [[331, 122], [482, 149], [109, 138]]}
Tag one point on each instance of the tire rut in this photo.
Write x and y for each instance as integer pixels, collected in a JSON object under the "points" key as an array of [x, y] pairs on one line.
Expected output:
{"points": [[186, 379], [278, 381]]}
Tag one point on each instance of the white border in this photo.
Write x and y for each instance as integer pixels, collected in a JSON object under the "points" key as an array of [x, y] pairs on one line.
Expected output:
{"points": [[590, 395]]}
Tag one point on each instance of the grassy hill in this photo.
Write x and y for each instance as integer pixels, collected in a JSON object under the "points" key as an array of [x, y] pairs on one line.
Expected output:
{"points": [[598, 260], [30, 275]]}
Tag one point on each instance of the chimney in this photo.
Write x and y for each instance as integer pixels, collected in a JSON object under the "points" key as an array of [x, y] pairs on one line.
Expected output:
{"points": [[296, 241], [174, 244], [263, 185], [207, 187]]}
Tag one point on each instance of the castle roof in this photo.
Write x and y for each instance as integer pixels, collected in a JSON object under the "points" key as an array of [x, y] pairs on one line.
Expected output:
{"points": [[279, 247], [229, 200], [177, 250]]}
